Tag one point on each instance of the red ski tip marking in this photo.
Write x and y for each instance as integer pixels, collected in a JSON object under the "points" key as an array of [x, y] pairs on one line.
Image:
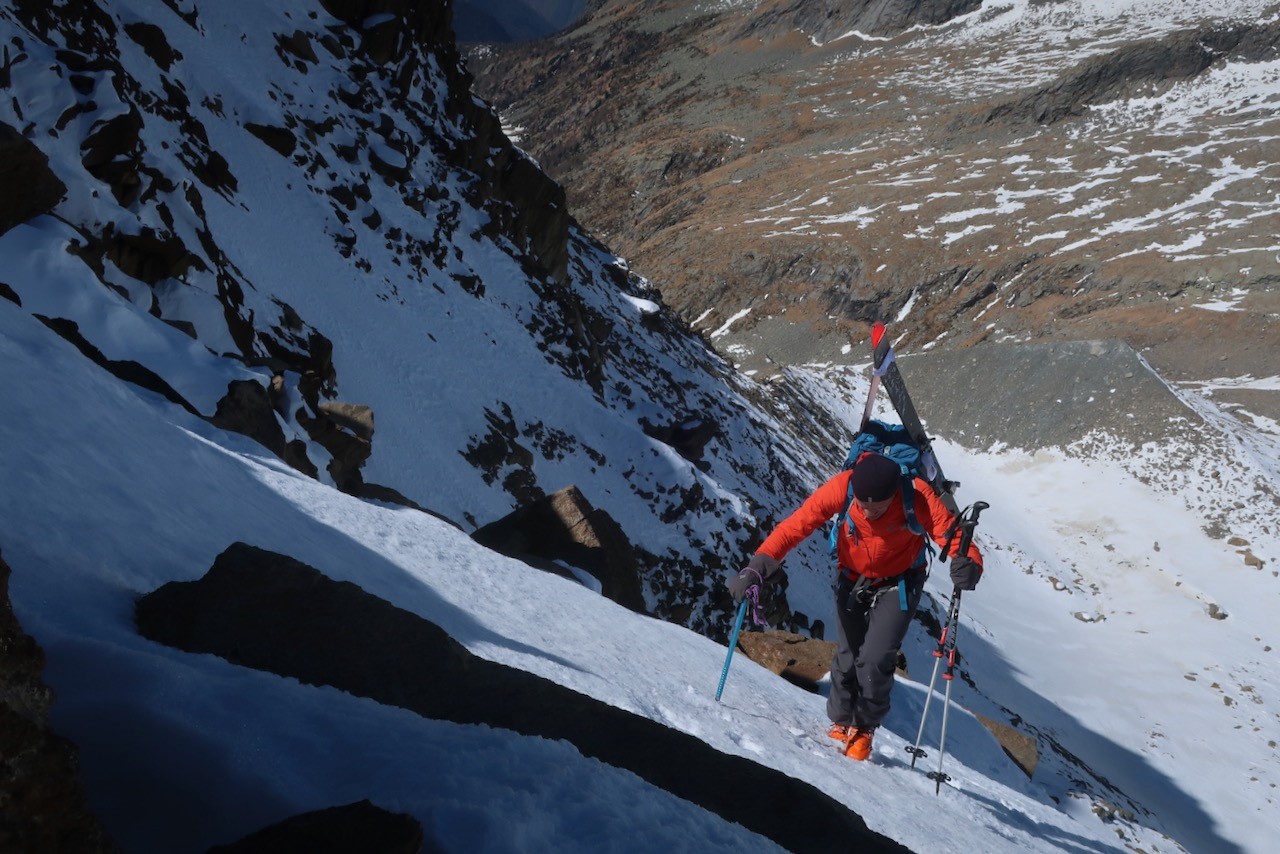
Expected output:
{"points": [[877, 332]]}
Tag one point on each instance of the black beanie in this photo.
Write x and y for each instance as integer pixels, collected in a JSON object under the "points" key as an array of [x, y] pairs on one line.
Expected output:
{"points": [[875, 478]]}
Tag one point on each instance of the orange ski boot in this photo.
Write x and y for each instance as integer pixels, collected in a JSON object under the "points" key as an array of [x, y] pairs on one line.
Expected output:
{"points": [[858, 744]]}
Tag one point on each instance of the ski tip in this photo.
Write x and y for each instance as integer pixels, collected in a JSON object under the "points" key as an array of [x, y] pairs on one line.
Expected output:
{"points": [[877, 332]]}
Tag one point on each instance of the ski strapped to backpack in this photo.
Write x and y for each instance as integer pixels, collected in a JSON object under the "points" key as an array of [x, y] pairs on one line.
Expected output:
{"points": [[884, 371]]}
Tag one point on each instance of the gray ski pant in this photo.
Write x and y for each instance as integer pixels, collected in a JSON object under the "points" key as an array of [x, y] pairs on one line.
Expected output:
{"points": [[870, 627]]}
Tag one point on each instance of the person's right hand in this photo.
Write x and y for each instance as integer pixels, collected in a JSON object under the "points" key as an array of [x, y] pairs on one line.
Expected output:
{"points": [[742, 582]]}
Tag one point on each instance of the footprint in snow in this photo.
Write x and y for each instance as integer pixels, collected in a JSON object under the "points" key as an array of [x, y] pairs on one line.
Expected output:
{"points": [[748, 744]]}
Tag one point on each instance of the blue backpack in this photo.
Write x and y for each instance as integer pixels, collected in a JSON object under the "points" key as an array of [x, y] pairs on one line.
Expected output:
{"points": [[892, 441]]}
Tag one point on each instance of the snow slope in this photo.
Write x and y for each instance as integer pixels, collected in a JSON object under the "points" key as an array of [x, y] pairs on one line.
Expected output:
{"points": [[1127, 615], [110, 493]]}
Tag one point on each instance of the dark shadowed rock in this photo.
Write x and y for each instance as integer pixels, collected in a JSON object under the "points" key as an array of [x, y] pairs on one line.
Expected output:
{"points": [[124, 369], [564, 526], [270, 612], [359, 827], [42, 804], [280, 140], [149, 256], [689, 436], [28, 186], [246, 408]]}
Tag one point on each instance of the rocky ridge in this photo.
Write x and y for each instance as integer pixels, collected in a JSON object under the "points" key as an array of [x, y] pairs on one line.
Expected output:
{"points": [[149, 171]]}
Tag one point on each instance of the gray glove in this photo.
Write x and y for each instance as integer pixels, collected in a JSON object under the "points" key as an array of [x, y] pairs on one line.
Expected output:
{"points": [[965, 572], [742, 582], [757, 572]]}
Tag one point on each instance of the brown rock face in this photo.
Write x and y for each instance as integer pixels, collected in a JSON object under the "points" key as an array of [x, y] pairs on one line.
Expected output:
{"points": [[268, 611], [564, 526], [42, 805], [799, 659]]}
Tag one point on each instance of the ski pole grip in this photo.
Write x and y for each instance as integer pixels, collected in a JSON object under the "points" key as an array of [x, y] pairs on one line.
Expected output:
{"points": [[966, 535]]}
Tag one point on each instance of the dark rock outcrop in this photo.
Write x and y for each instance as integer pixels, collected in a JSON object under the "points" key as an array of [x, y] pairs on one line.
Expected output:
{"points": [[42, 804], [1138, 67], [689, 436], [28, 186], [829, 20], [361, 826], [246, 408], [124, 369], [565, 527], [268, 611]]}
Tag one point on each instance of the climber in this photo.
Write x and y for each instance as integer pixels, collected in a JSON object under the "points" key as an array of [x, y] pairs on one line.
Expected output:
{"points": [[882, 569]]}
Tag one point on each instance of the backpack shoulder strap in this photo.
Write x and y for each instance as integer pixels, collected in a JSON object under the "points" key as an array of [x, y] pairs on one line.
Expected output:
{"points": [[913, 522], [834, 537]]}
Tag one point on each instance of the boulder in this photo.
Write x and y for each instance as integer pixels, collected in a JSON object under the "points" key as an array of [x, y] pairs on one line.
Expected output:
{"points": [[246, 408], [565, 527], [801, 660], [268, 611]]}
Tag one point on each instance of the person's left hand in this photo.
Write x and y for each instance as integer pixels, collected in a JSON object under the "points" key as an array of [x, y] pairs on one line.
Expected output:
{"points": [[965, 572]]}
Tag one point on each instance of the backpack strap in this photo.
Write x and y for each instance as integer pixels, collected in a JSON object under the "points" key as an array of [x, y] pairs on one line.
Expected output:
{"points": [[908, 490], [913, 524], [843, 518]]}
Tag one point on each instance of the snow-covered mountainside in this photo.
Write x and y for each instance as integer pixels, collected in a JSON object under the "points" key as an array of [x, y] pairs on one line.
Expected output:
{"points": [[307, 197], [272, 276]]}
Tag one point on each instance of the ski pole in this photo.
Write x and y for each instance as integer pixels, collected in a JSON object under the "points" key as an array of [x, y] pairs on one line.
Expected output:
{"points": [[733, 642], [947, 651], [952, 615], [965, 523]]}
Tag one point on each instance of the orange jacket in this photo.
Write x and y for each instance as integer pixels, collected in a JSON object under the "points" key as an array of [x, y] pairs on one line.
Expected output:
{"points": [[884, 547]]}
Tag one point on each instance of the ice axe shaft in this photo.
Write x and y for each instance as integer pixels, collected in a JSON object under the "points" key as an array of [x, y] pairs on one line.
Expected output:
{"points": [[733, 643]]}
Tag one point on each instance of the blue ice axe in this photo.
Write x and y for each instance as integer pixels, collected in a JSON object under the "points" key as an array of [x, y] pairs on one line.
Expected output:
{"points": [[733, 643]]}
